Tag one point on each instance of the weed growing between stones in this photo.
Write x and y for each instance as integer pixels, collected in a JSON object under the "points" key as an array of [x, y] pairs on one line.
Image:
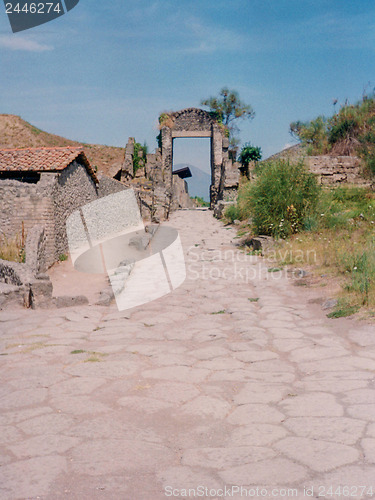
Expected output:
{"points": [[12, 249]]}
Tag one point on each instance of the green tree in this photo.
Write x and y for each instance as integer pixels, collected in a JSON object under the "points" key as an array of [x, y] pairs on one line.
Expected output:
{"points": [[312, 134], [228, 108]]}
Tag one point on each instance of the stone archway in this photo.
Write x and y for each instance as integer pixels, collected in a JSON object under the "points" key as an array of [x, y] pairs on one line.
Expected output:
{"points": [[194, 122]]}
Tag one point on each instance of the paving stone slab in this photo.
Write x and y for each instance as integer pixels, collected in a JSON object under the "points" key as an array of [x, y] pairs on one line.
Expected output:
{"points": [[245, 414], [319, 455], [368, 446], [31, 478], [316, 404], [143, 404], [177, 373], [279, 470], [223, 458], [183, 478], [338, 429], [44, 445], [46, 424], [257, 434], [175, 393], [206, 405], [362, 411], [260, 393]]}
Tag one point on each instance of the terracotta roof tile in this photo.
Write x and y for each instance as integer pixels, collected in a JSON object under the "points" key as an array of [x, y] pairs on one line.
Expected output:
{"points": [[42, 159]]}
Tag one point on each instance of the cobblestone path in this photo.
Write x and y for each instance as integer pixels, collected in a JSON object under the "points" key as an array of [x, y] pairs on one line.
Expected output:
{"points": [[234, 380]]}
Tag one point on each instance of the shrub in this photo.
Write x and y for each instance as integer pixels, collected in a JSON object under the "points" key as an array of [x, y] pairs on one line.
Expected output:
{"points": [[313, 134], [280, 199], [249, 153], [139, 161], [348, 132], [232, 213]]}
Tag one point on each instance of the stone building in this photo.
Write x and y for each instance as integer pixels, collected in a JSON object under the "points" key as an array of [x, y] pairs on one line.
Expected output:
{"points": [[43, 186]]}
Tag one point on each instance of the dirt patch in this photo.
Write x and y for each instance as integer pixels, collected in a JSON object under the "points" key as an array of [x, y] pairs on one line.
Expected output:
{"points": [[67, 281]]}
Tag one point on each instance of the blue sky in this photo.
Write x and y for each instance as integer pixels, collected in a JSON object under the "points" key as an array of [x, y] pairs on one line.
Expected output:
{"points": [[105, 70]]}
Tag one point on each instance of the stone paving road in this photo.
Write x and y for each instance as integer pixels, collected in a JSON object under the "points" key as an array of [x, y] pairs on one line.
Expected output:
{"points": [[201, 388]]}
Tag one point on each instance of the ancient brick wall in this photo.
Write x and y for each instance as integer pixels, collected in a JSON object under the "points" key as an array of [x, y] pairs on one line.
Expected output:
{"points": [[46, 203], [24, 205]]}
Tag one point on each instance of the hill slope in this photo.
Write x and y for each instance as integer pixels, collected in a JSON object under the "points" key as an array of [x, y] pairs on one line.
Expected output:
{"points": [[17, 133]]}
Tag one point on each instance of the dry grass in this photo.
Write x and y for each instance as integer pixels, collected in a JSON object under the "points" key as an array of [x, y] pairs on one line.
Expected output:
{"points": [[340, 249], [166, 120], [12, 249]]}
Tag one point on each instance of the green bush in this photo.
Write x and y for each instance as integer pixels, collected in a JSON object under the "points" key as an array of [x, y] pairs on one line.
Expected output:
{"points": [[350, 131], [139, 161], [249, 153], [232, 213], [341, 130], [281, 199], [312, 134]]}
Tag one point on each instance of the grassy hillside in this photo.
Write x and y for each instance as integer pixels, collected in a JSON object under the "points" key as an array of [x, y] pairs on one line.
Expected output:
{"points": [[17, 133]]}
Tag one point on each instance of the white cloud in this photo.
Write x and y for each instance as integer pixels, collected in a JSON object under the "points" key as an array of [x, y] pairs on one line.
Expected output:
{"points": [[209, 39], [16, 42]]}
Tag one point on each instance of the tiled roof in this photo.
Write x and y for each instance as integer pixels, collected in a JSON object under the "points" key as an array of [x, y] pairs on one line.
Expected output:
{"points": [[42, 159]]}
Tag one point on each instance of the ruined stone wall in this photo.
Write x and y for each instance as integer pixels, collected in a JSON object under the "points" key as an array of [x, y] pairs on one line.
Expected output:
{"points": [[25, 205], [47, 204], [74, 188], [108, 186], [35, 250], [331, 170], [192, 119], [180, 194], [166, 155], [127, 167], [194, 122]]}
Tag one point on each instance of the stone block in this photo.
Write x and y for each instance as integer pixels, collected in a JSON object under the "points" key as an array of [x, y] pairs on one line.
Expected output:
{"points": [[41, 294], [261, 242], [220, 207], [70, 301]]}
